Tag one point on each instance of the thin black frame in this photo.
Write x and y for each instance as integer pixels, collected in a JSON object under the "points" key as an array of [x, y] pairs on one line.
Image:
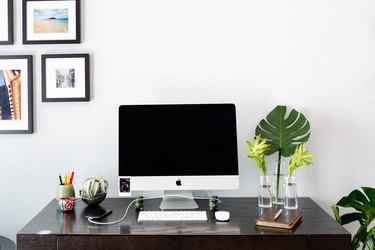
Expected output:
{"points": [[10, 25], [86, 98], [30, 122], [24, 24]]}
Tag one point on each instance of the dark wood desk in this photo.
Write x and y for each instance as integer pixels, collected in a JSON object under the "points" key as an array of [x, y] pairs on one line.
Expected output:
{"points": [[52, 229]]}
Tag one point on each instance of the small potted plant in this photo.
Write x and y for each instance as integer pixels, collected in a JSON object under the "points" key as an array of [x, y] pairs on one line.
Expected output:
{"points": [[94, 190]]}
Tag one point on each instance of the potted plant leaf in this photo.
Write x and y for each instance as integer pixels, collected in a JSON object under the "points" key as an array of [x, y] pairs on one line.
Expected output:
{"points": [[364, 205], [283, 133]]}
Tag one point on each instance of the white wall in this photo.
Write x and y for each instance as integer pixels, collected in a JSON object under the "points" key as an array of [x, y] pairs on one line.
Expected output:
{"points": [[316, 56]]}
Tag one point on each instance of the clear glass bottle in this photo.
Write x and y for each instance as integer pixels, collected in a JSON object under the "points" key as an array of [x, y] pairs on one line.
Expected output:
{"points": [[264, 193], [278, 182], [291, 199]]}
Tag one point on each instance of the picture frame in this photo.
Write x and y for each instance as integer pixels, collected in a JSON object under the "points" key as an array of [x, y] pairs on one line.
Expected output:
{"points": [[65, 77], [6, 22], [16, 94], [51, 21]]}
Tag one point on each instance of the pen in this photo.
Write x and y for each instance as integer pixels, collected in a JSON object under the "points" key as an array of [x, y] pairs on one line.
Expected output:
{"points": [[61, 183], [277, 214]]}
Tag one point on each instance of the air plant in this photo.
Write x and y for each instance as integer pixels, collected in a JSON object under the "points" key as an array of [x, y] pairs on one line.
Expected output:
{"points": [[93, 187]]}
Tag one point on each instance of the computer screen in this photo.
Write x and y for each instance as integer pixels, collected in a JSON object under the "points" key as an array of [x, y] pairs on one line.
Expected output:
{"points": [[178, 147]]}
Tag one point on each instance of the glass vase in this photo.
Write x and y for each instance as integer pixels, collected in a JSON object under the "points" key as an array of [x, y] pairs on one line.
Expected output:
{"points": [[291, 200], [264, 192], [278, 182]]}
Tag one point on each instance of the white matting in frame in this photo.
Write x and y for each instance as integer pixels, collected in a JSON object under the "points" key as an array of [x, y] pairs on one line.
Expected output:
{"points": [[70, 33], [65, 77], [4, 20], [22, 122]]}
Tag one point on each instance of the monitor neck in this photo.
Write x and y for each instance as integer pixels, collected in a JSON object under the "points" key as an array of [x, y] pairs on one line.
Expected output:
{"points": [[174, 200]]}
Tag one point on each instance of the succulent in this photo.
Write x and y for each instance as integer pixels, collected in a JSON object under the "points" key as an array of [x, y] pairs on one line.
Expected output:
{"points": [[93, 187]]}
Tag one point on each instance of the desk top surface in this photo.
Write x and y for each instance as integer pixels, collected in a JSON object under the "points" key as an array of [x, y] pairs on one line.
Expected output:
{"points": [[243, 213]]}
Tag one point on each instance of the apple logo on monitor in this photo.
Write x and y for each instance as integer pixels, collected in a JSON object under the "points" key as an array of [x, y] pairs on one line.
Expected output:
{"points": [[178, 182]]}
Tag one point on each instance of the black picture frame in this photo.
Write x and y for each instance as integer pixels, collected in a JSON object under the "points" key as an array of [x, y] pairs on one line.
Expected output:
{"points": [[9, 25], [39, 26], [16, 94], [65, 78]]}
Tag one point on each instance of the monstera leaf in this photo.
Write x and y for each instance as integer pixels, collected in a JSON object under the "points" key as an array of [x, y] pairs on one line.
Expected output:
{"points": [[364, 204], [283, 133]]}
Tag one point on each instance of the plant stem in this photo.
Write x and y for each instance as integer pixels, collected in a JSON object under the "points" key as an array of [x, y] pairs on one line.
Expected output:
{"points": [[278, 177], [268, 186]]}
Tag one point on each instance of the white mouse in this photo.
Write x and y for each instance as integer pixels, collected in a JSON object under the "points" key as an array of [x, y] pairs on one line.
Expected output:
{"points": [[222, 215]]}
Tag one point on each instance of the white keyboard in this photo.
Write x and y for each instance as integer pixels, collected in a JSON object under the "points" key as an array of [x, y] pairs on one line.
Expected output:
{"points": [[144, 216]]}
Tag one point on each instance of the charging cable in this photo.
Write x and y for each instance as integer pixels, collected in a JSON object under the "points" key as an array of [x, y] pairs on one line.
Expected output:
{"points": [[146, 198]]}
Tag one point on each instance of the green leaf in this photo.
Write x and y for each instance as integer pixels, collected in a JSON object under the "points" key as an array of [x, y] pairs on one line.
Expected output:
{"points": [[351, 217], [355, 199], [283, 133], [370, 239], [370, 192], [256, 152], [364, 203], [360, 236], [336, 213]]}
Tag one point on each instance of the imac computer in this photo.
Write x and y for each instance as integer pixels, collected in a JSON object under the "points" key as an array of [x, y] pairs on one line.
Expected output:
{"points": [[177, 148]]}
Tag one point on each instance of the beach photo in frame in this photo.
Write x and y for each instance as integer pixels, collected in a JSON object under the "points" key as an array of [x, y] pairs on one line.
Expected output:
{"points": [[65, 78], [51, 21], [16, 94], [6, 22]]}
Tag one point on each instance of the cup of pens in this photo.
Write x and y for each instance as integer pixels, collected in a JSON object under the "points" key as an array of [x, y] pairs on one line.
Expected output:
{"points": [[65, 192]]}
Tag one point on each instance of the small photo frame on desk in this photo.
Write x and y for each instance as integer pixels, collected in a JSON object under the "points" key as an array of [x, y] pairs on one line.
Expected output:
{"points": [[124, 185], [65, 78], [51, 21], [6, 22], [16, 94]]}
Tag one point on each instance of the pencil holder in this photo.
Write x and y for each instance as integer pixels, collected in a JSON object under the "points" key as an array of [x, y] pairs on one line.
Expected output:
{"points": [[65, 191]]}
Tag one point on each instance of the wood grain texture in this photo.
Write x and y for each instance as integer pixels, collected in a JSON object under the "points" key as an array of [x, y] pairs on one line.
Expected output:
{"points": [[317, 230]]}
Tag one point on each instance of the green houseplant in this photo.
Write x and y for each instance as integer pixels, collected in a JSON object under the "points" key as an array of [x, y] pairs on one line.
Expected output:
{"points": [[364, 204], [283, 133], [94, 190]]}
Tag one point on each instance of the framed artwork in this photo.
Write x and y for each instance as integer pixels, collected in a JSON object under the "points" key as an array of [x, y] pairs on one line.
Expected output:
{"points": [[6, 22], [51, 21], [65, 78], [16, 94]]}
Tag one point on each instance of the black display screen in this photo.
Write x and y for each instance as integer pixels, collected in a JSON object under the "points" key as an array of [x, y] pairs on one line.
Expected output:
{"points": [[176, 140]]}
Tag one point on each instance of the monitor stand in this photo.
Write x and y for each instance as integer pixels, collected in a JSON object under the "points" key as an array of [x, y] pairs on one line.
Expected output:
{"points": [[178, 200]]}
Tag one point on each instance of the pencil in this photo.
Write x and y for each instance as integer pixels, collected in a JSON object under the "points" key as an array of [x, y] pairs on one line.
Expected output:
{"points": [[71, 177]]}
